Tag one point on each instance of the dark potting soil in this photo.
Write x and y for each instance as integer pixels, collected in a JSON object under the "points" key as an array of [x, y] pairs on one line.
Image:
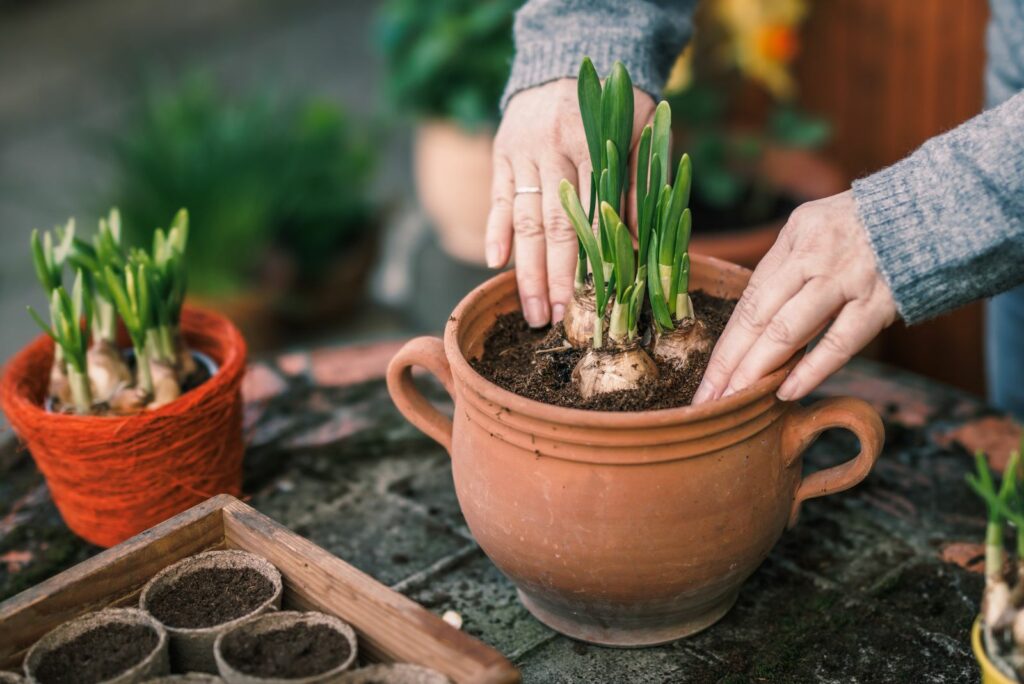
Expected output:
{"points": [[210, 596], [296, 651], [510, 360], [97, 655]]}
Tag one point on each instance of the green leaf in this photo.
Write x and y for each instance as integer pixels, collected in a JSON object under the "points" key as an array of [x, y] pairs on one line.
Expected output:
{"points": [[657, 298], [120, 297], [617, 110], [666, 236], [625, 266], [585, 233], [683, 275], [680, 198], [588, 87], [643, 161], [41, 323], [614, 170], [636, 298], [661, 138], [683, 229], [43, 273]]}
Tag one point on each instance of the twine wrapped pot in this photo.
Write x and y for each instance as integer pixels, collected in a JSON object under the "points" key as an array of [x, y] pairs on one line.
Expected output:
{"points": [[153, 665], [112, 477], [272, 622], [192, 649], [397, 673]]}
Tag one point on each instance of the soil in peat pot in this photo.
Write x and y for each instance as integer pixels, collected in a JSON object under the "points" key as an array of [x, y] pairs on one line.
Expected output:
{"points": [[511, 361], [293, 652], [209, 597], [97, 655]]}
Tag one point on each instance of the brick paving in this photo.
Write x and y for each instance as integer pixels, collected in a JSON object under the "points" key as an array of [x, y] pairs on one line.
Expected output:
{"points": [[878, 584]]}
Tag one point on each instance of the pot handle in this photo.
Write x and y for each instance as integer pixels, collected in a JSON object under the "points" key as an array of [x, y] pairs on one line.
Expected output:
{"points": [[802, 427], [427, 352]]}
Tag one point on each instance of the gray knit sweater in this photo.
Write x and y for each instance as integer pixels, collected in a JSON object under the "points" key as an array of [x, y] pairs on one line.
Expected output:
{"points": [[946, 223]]}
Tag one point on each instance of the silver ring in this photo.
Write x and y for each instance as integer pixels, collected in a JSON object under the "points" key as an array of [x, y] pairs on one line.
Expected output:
{"points": [[528, 190]]}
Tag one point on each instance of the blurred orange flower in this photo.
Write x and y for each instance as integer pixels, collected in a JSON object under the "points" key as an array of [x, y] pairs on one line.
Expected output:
{"points": [[760, 39]]}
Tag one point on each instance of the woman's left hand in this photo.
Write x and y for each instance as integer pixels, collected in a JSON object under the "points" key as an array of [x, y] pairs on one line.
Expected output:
{"points": [[821, 270]]}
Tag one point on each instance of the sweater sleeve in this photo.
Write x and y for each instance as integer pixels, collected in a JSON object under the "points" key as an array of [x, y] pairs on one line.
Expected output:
{"points": [[947, 222], [553, 36]]}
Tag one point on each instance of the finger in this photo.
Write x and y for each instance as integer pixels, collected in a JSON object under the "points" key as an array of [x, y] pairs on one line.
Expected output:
{"points": [[498, 237], [770, 287], [560, 236], [796, 324], [857, 324], [530, 248]]}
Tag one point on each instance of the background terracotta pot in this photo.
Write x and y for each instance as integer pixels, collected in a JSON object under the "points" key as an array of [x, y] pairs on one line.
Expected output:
{"points": [[800, 175], [625, 529], [452, 170]]}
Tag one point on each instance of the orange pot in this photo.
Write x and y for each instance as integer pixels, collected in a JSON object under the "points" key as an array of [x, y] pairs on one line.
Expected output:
{"points": [[624, 529], [113, 476]]}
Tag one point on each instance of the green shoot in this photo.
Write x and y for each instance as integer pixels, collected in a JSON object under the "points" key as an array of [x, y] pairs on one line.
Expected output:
{"points": [[131, 294], [585, 233], [67, 315], [48, 258], [998, 504], [671, 229]]}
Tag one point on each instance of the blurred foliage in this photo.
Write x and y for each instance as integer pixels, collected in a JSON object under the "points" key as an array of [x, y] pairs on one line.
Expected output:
{"points": [[258, 173], [739, 46], [447, 58]]}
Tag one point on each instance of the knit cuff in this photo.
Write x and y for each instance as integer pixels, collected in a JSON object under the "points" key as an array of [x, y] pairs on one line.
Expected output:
{"points": [[890, 209], [537, 63]]}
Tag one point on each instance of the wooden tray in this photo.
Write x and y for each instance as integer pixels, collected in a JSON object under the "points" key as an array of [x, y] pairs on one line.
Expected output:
{"points": [[391, 627]]}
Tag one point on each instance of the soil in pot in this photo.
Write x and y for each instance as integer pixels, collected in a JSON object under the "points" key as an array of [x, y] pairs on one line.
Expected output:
{"points": [[299, 650], [97, 655], [209, 597], [519, 359]]}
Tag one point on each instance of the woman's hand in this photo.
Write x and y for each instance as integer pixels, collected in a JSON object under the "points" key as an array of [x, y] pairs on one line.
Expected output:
{"points": [[540, 142], [820, 270]]}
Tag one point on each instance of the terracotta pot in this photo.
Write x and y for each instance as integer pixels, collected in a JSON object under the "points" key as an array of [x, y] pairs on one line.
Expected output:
{"points": [[990, 674], [273, 622], [192, 648], [801, 175], [452, 170], [624, 529], [154, 664]]}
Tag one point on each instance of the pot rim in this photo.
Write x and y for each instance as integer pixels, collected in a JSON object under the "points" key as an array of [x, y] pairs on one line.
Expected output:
{"points": [[989, 671], [231, 365], [288, 618], [125, 615], [589, 418], [157, 580]]}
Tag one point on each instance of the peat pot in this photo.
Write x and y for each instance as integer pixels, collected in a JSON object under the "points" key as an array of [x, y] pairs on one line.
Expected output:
{"points": [[624, 529]]}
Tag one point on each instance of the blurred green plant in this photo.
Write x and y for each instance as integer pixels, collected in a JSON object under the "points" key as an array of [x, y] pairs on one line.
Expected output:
{"points": [[258, 173], [447, 58]]}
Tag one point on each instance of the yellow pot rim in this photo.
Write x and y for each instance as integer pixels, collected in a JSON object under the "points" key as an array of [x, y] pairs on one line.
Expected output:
{"points": [[990, 674]]}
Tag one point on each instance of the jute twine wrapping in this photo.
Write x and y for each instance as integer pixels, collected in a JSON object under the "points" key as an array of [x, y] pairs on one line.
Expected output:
{"points": [[112, 477]]}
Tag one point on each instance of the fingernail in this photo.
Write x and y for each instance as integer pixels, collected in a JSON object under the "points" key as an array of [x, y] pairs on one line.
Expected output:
{"points": [[787, 390], [557, 313], [493, 255], [704, 393], [536, 312]]}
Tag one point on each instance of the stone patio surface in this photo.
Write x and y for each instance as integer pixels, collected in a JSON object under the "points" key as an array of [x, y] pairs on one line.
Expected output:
{"points": [[878, 584]]}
